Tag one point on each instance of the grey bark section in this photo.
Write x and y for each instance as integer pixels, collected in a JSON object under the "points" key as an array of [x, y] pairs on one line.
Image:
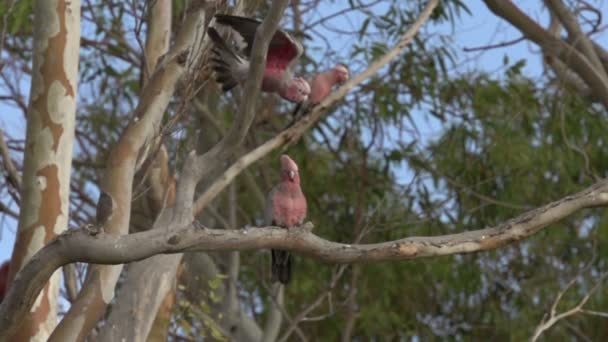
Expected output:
{"points": [[272, 327], [146, 285]]}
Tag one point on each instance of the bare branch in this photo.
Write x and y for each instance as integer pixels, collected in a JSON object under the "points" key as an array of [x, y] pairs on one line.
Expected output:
{"points": [[70, 278], [567, 18], [158, 34], [79, 246], [272, 325], [550, 320], [325, 294], [595, 313], [551, 45], [494, 46]]}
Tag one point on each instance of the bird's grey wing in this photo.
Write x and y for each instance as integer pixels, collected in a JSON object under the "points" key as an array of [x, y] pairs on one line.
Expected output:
{"points": [[245, 27], [268, 220]]}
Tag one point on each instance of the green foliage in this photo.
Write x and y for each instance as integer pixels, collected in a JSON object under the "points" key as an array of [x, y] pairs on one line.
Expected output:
{"points": [[196, 320], [18, 14]]}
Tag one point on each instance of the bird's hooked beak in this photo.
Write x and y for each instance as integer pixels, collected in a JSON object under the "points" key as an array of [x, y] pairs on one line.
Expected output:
{"points": [[346, 77], [291, 174], [343, 74]]}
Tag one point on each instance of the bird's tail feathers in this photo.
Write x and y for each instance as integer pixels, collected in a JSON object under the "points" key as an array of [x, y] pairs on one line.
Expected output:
{"points": [[281, 266], [225, 61]]}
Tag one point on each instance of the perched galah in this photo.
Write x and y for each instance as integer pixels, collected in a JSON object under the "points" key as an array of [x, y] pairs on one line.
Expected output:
{"points": [[231, 63], [4, 279], [285, 207], [322, 84]]}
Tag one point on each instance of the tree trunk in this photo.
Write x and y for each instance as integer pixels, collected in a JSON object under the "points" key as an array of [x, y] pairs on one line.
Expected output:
{"points": [[48, 154]]}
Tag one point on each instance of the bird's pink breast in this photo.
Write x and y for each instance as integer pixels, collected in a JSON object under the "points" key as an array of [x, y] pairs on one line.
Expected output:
{"points": [[272, 79], [321, 87], [289, 209]]}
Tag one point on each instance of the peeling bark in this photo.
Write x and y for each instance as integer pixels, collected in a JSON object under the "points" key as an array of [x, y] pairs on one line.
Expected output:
{"points": [[48, 154]]}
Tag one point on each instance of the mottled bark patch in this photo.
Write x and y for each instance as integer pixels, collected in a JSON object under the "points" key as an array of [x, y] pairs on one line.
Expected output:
{"points": [[50, 208], [407, 249], [490, 242], [30, 326], [53, 70], [20, 251]]}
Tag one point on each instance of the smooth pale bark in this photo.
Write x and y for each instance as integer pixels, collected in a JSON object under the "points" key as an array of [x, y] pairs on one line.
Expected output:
{"points": [[132, 319], [48, 154], [98, 289], [142, 310], [272, 327], [158, 35]]}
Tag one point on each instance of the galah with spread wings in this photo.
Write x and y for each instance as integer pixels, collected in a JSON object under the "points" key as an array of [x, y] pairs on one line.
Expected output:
{"points": [[231, 62], [285, 207]]}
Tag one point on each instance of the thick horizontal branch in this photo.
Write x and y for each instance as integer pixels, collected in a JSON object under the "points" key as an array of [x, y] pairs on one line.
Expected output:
{"points": [[80, 246]]}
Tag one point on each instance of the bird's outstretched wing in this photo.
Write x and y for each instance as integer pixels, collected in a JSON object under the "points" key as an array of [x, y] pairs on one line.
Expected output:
{"points": [[230, 67], [283, 51]]}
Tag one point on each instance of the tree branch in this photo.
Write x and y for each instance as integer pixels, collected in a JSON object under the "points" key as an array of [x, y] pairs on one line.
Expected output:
{"points": [[553, 317], [272, 326], [552, 46], [560, 10], [80, 246]]}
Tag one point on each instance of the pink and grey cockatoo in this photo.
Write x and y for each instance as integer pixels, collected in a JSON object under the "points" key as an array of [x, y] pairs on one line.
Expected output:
{"points": [[285, 207], [322, 83], [321, 86], [231, 63]]}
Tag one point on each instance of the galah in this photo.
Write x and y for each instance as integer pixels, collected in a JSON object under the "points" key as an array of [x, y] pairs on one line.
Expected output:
{"points": [[231, 63], [322, 84], [286, 208], [4, 279]]}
